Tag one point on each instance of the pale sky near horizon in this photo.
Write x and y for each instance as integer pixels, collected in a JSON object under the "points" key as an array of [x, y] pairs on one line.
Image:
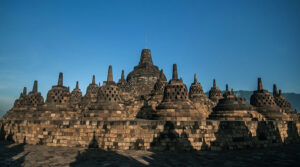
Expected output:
{"points": [[233, 41]]}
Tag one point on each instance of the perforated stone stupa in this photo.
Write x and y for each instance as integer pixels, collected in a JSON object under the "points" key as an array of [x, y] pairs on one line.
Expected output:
{"points": [[176, 105], [144, 75], [109, 105], [21, 101], [215, 94], [199, 98], [146, 111], [59, 94], [266, 105], [76, 96], [234, 108], [158, 90], [284, 104], [34, 98], [91, 93], [146, 94]]}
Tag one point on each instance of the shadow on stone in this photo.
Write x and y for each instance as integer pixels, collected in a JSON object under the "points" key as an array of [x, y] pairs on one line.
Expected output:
{"points": [[267, 133], [41, 142], [146, 111], [292, 133], [9, 151], [204, 145], [94, 156], [169, 139], [9, 154], [167, 144], [232, 135], [167, 147], [2, 133], [94, 142], [10, 137]]}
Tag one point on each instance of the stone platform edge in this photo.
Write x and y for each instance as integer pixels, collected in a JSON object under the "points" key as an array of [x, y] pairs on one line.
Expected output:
{"points": [[152, 134]]}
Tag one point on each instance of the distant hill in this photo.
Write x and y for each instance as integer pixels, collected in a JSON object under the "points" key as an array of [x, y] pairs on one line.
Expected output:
{"points": [[294, 99]]}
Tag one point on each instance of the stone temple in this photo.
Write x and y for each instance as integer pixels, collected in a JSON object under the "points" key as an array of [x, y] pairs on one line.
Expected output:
{"points": [[146, 111]]}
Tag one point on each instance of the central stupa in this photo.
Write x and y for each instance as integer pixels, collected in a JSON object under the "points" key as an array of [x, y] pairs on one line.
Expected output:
{"points": [[144, 75]]}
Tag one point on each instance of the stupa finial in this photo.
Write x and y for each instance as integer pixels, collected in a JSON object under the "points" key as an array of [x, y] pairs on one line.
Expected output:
{"points": [[214, 83], [275, 92], [60, 79], [175, 74], [24, 91], [146, 57], [259, 84], [280, 92], [35, 86], [94, 80], [122, 75], [110, 74], [77, 85]]}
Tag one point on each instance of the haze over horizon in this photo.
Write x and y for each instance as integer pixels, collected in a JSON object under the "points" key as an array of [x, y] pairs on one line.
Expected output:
{"points": [[234, 42]]}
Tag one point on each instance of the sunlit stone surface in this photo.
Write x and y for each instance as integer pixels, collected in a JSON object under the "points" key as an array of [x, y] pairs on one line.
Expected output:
{"points": [[147, 112]]}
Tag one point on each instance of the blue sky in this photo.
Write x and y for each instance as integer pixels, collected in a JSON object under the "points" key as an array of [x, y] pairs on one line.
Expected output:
{"points": [[232, 41]]}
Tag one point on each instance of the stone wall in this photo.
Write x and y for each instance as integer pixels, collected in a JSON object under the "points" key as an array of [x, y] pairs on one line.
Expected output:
{"points": [[151, 135]]}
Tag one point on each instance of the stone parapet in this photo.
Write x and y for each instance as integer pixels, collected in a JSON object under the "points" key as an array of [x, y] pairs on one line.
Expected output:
{"points": [[152, 134]]}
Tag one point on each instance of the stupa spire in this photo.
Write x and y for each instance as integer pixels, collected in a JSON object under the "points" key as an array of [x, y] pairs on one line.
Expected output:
{"points": [[60, 79], [110, 74], [93, 81], [195, 78], [275, 92], [35, 86], [280, 92], [214, 83], [24, 91], [77, 85], [146, 57], [122, 75], [259, 84], [174, 74]]}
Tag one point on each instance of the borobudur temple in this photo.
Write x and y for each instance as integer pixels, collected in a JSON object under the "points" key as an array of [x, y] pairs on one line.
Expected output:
{"points": [[145, 111]]}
